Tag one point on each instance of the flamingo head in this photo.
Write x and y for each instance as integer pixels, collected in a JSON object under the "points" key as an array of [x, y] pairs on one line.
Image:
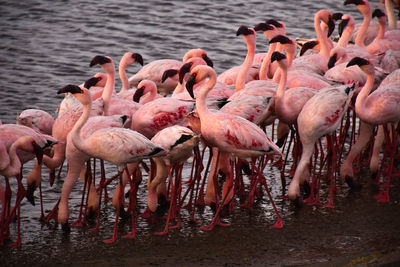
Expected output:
{"points": [[278, 25], [138, 94], [106, 63], [363, 64], [362, 5], [91, 82], [183, 70], [168, 74], [278, 56], [332, 61], [308, 45], [263, 27]]}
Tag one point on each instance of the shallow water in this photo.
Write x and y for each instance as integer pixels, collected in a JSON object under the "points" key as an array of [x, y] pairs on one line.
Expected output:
{"points": [[46, 45]]}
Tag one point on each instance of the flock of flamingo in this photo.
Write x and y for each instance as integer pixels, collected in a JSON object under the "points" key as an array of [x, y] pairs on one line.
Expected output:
{"points": [[331, 107]]}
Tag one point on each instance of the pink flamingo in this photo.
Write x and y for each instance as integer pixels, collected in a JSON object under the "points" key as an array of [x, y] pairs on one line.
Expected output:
{"points": [[146, 92], [227, 132], [179, 141], [119, 146], [37, 119], [76, 159], [383, 33], [321, 115], [127, 59], [155, 70], [247, 69], [381, 107]]}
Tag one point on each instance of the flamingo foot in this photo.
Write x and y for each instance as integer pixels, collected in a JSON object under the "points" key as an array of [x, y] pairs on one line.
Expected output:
{"points": [[95, 229], [131, 235], [177, 226], [16, 244], [330, 204], [278, 224], [215, 222], [110, 240], [53, 214], [163, 232], [78, 223], [382, 197]]}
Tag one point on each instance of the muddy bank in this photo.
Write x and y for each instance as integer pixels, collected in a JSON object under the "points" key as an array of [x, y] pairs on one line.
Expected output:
{"points": [[358, 231]]}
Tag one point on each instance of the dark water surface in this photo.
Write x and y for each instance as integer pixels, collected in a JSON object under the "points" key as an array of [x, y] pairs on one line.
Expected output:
{"points": [[48, 44]]}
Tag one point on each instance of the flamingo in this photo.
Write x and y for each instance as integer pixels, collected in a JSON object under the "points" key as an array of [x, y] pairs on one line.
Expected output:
{"points": [[119, 146], [247, 71], [179, 141], [76, 159], [146, 92], [383, 33], [155, 69], [28, 145], [127, 59], [227, 132], [37, 119], [321, 115], [381, 107]]}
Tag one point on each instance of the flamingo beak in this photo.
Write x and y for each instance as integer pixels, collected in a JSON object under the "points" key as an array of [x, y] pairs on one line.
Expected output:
{"points": [[138, 94], [190, 83]]}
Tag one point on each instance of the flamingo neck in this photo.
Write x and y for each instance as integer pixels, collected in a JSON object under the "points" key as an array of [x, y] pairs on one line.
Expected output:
{"points": [[14, 167], [322, 38], [382, 29], [248, 62], [362, 104], [123, 76], [364, 28], [201, 105], [109, 88], [280, 93], [346, 36], [178, 89], [266, 62], [76, 130], [390, 14]]}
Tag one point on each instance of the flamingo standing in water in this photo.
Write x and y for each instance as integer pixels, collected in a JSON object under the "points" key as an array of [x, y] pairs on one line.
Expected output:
{"points": [[321, 115], [119, 146], [179, 141], [229, 133], [381, 107]]}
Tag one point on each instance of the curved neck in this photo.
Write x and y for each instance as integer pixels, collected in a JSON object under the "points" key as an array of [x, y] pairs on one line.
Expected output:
{"points": [[346, 36], [76, 130], [266, 62], [248, 62], [201, 105], [382, 29], [362, 103], [280, 93], [123, 76], [390, 14], [108, 90], [364, 28], [14, 166], [178, 89], [321, 36]]}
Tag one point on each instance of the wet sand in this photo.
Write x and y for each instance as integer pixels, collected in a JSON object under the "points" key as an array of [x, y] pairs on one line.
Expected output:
{"points": [[359, 231]]}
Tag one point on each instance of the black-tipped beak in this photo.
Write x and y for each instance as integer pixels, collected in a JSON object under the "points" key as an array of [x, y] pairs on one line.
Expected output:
{"points": [[208, 61], [91, 82], [263, 27], [377, 13], [331, 26], [99, 60], [354, 2], [357, 61], [38, 152], [168, 74], [277, 56], [307, 46], [183, 70], [332, 61], [70, 88], [342, 26], [243, 30], [280, 39], [138, 58], [274, 22], [337, 16], [30, 190], [138, 94], [190, 84]]}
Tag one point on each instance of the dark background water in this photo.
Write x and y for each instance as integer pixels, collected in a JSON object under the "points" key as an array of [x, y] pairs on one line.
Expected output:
{"points": [[45, 45]]}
